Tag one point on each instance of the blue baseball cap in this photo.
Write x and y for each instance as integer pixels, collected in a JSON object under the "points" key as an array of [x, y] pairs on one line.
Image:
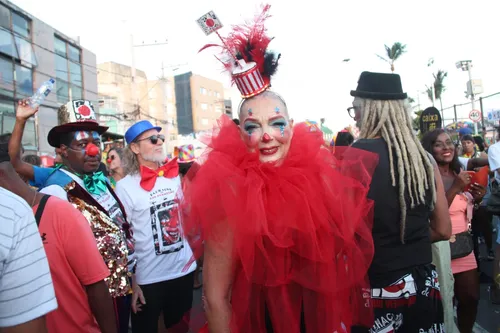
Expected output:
{"points": [[137, 129], [465, 131]]}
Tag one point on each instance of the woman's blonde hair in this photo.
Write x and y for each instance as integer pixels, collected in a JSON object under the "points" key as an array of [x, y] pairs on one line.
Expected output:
{"points": [[391, 120]]}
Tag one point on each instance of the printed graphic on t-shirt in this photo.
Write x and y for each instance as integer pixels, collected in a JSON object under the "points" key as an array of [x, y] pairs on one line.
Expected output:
{"points": [[401, 293], [109, 203], [387, 323], [165, 222]]}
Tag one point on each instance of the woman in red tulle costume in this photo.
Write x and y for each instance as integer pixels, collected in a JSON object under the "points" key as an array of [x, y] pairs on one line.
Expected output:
{"points": [[285, 227]]}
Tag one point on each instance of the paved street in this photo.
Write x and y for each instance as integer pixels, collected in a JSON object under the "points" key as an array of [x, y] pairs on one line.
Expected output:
{"points": [[488, 318]]}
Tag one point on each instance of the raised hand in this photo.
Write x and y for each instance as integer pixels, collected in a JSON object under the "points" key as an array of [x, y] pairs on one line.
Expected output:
{"points": [[24, 111]]}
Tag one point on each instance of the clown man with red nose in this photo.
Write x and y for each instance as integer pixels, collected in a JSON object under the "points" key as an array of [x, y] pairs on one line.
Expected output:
{"points": [[78, 180]]}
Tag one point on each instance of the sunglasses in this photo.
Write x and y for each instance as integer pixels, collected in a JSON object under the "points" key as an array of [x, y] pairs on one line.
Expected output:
{"points": [[154, 138]]}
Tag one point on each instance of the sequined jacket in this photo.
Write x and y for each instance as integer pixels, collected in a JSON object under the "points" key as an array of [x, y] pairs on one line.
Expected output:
{"points": [[108, 235]]}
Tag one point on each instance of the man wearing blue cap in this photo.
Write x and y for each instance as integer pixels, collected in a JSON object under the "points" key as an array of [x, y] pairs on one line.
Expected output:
{"points": [[163, 280], [78, 180]]}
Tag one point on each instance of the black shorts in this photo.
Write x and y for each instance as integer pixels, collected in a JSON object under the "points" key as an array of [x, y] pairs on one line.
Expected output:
{"points": [[412, 304], [173, 298]]}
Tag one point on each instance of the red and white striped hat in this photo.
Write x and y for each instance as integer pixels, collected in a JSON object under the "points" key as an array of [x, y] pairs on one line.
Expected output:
{"points": [[247, 58], [248, 79]]}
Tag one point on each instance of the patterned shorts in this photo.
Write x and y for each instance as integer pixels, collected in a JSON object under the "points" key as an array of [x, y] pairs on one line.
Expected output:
{"points": [[411, 304]]}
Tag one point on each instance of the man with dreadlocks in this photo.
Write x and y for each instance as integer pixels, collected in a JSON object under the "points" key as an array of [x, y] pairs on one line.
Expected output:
{"points": [[408, 193]]}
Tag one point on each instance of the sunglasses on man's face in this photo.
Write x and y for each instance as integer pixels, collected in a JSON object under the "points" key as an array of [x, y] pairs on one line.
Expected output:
{"points": [[154, 138]]}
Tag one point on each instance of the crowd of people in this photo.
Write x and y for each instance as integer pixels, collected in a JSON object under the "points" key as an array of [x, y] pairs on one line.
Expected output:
{"points": [[293, 234]]}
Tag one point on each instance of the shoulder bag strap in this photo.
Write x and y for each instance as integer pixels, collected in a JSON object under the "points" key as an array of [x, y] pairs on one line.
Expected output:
{"points": [[41, 207]]}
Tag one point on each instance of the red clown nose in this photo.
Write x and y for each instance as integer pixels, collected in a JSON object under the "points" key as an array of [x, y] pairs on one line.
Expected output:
{"points": [[266, 138], [92, 150]]}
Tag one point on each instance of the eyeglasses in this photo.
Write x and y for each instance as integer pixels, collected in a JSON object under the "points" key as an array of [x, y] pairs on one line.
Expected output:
{"points": [[154, 138], [352, 112]]}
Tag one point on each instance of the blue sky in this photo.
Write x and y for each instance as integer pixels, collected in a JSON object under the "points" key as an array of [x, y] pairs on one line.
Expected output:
{"points": [[313, 37]]}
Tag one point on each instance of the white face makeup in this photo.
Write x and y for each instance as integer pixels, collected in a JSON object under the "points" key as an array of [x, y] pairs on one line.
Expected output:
{"points": [[265, 127]]}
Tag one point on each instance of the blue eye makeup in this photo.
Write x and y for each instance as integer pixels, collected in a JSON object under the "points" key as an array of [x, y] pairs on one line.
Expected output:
{"points": [[279, 122], [250, 127]]}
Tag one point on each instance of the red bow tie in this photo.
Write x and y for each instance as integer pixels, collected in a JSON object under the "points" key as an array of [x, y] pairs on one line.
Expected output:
{"points": [[148, 176]]}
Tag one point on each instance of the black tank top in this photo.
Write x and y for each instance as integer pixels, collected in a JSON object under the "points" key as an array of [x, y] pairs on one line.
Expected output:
{"points": [[392, 258]]}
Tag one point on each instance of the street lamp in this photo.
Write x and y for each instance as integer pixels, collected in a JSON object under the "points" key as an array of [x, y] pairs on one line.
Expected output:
{"points": [[466, 65]]}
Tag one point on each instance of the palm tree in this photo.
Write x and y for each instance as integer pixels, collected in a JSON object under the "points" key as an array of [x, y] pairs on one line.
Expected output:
{"points": [[438, 87], [393, 53]]}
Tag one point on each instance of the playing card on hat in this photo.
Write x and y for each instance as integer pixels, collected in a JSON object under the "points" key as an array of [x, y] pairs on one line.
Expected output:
{"points": [[81, 110], [209, 23]]}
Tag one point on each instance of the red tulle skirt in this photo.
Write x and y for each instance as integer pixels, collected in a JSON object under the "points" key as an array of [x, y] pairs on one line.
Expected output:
{"points": [[300, 230]]}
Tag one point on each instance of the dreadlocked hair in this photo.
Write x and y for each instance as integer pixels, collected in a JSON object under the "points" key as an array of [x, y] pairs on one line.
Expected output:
{"points": [[391, 121]]}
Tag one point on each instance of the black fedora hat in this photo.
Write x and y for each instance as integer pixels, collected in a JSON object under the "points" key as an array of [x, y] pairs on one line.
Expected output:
{"points": [[379, 86]]}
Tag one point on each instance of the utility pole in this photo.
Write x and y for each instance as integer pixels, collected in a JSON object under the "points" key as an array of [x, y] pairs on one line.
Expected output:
{"points": [[472, 96], [466, 65], [133, 69]]}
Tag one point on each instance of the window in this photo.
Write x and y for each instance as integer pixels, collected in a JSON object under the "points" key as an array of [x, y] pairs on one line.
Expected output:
{"points": [[60, 47], [24, 82], [69, 81], [7, 44], [204, 121], [204, 106], [21, 25], [61, 68], [15, 37], [73, 53], [75, 74], [218, 95], [218, 109], [76, 92], [203, 91], [25, 51], [62, 90], [8, 119], [6, 78], [4, 17]]}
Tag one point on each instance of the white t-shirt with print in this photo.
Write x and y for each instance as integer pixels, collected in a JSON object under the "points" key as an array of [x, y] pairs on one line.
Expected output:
{"points": [[161, 250]]}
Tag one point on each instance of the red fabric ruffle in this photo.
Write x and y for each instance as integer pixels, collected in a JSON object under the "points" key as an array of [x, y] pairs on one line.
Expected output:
{"points": [[301, 230]]}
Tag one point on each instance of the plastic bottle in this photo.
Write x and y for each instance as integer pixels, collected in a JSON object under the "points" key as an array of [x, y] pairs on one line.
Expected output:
{"points": [[37, 99]]}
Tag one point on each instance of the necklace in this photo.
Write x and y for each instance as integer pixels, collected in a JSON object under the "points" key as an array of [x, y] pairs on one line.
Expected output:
{"points": [[33, 201]]}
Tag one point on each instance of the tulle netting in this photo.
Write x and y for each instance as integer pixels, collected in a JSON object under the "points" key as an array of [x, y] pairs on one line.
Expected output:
{"points": [[300, 230]]}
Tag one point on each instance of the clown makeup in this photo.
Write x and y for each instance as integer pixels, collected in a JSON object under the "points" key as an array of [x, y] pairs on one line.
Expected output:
{"points": [[266, 130], [84, 135]]}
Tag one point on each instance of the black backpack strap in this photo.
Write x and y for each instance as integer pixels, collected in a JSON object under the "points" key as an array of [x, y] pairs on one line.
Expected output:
{"points": [[41, 207]]}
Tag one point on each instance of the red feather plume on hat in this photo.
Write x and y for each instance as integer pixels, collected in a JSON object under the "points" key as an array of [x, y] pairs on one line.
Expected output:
{"points": [[249, 42]]}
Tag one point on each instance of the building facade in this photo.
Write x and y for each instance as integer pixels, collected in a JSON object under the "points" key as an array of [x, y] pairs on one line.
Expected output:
{"points": [[122, 100], [32, 52], [162, 108], [200, 102]]}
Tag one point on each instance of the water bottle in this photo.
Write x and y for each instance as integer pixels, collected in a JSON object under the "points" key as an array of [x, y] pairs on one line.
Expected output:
{"points": [[37, 99]]}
